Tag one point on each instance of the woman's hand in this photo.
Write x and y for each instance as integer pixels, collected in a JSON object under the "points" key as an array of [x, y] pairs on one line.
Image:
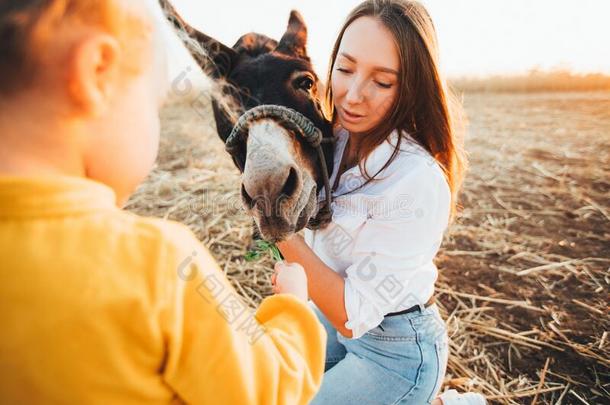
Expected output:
{"points": [[290, 278]]}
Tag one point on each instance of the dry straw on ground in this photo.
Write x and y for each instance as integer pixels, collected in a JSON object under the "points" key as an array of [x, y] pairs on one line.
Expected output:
{"points": [[536, 80], [524, 272]]}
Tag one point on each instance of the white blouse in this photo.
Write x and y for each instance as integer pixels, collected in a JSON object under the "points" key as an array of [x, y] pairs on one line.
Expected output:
{"points": [[383, 237]]}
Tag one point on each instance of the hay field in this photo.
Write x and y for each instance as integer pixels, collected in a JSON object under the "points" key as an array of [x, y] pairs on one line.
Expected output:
{"points": [[524, 272], [556, 80]]}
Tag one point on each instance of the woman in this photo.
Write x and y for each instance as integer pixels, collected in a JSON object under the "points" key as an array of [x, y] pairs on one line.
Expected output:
{"points": [[398, 168]]}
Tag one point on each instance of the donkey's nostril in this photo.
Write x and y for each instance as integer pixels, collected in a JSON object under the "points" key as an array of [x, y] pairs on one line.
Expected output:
{"points": [[247, 199], [291, 184]]}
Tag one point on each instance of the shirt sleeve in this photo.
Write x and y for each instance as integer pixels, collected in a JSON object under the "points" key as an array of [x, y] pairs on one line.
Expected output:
{"points": [[393, 251], [221, 352]]}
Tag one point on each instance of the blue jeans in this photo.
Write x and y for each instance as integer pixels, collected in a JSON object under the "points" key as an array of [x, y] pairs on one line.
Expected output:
{"points": [[401, 361]]}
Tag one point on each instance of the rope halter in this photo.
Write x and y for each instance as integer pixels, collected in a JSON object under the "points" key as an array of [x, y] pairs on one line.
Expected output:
{"points": [[297, 123]]}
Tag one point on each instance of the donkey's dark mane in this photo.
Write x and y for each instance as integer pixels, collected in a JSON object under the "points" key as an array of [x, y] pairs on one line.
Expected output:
{"points": [[254, 44]]}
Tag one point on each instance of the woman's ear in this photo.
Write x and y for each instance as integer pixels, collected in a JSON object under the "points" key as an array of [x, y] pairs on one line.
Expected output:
{"points": [[94, 71]]}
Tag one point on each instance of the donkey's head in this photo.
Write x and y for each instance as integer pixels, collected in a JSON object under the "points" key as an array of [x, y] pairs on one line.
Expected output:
{"points": [[281, 171]]}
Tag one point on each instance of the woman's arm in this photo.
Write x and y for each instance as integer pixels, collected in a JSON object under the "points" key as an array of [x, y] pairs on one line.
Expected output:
{"points": [[326, 287]]}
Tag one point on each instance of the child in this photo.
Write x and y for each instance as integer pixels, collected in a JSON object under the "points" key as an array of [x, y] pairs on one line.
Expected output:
{"points": [[99, 305]]}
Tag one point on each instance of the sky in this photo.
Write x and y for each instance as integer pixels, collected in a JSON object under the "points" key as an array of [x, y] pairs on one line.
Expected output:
{"points": [[476, 37]]}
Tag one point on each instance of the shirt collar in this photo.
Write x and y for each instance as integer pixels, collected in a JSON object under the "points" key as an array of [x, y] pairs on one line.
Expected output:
{"points": [[378, 157], [52, 196]]}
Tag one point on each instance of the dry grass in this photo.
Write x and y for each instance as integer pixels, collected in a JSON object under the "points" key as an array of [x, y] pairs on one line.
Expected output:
{"points": [[524, 272], [557, 80]]}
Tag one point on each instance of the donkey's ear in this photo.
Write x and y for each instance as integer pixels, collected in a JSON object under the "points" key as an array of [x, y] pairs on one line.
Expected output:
{"points": [[222, 57], [294, 41]]}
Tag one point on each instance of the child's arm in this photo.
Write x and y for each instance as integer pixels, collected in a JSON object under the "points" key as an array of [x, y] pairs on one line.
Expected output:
{"points": [[220, 352]]}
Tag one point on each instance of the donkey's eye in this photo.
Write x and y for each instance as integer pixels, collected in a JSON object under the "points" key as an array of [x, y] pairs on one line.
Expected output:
{"points": [[305, 83]]}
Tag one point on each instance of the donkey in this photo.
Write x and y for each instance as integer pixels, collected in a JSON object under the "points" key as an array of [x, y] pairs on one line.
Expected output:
{"points": [[282, 174]]}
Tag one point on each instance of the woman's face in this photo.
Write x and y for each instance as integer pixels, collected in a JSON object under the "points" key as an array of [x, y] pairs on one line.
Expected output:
{"points": [[365, 75]]}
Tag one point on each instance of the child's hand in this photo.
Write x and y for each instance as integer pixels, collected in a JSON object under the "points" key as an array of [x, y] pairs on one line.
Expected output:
{"points": [[290, 278]]}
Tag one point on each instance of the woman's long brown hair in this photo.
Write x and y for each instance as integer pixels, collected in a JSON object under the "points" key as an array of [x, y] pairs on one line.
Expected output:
{"points": [[424, 108]]}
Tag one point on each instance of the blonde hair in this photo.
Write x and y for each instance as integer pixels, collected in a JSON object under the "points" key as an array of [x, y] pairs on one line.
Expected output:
{"points": [[27, 26]]}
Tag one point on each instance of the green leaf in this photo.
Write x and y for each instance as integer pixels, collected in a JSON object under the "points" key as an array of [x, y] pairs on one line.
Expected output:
{"points": [[252, 255], [275, 253], [262, 246]]}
